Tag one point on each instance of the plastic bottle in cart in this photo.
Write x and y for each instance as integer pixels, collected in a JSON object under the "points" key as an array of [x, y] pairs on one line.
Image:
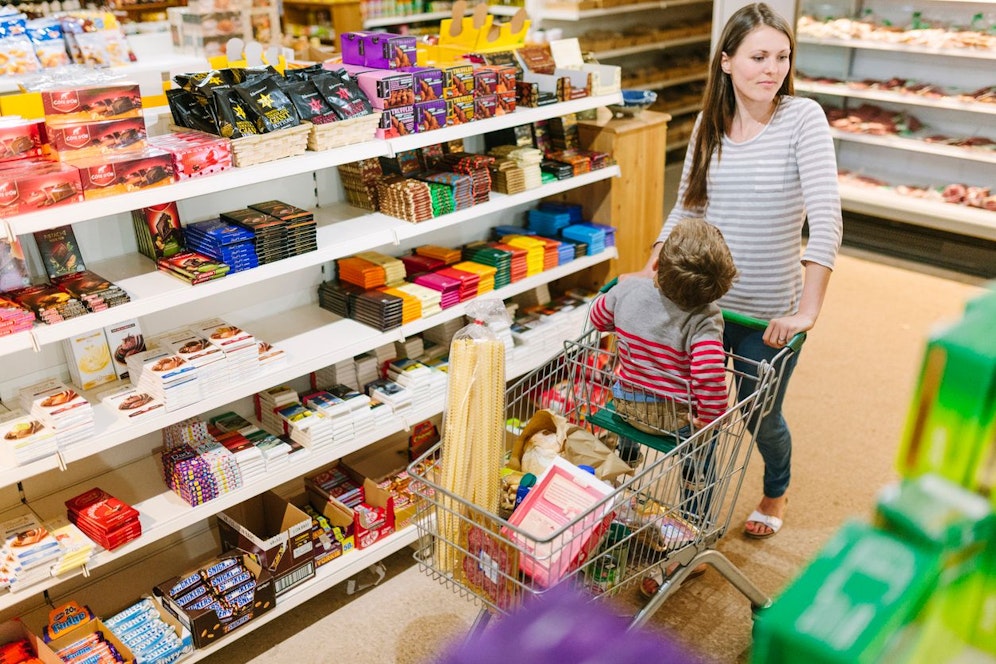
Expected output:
{"points": [[527, 482]]}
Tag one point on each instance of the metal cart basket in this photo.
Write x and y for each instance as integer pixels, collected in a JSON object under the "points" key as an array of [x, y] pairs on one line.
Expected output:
{"points": [[669, 513]]}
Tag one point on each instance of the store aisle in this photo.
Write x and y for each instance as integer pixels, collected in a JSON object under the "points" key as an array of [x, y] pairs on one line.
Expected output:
{"points": [[847, 407]]}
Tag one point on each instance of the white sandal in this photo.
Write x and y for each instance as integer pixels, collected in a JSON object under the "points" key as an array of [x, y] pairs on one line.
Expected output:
{"points": [[772, 522]]}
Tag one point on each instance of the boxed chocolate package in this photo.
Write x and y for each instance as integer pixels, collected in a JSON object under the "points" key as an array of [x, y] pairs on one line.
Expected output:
{"points": [[92, 102], [218, 596], [380, 50], [430, 115], [195, 153], [397, 122], [387, 89], [428, 83], [485, 106], [460, 110], [20, 139], [158, 230], [331, 529], [95, 138], [276, 533], [37, 185], [458, 80], [485, 81], [128, 171]]}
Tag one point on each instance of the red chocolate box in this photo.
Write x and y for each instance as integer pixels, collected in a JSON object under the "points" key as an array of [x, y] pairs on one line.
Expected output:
{"points": [[95, 102], [37, 186], [195, 153], [19, 140], [131, 171], [89, 139]]}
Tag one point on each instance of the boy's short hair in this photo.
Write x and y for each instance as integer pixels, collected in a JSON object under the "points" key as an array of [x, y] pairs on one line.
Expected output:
{"points": [[695, 266]]}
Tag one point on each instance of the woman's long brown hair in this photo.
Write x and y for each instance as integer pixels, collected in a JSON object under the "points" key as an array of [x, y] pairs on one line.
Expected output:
{"points": [[719, 103]]}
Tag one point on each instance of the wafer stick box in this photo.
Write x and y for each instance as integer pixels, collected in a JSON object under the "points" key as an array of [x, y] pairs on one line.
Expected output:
{"points": [[276, 532]]}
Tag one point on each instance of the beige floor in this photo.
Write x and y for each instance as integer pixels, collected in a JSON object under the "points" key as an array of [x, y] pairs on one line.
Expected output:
{"points": [[847, 406]]}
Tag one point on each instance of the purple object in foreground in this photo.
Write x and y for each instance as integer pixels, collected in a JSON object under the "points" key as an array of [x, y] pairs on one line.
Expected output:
{"points": [[564, 627]]}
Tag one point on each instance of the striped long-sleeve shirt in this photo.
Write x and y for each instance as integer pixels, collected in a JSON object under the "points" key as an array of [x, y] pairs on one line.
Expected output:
{"points": [[658, 342], [759, 194]]}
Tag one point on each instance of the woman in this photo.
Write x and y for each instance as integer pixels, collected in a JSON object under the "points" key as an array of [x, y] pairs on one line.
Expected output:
{"points": [[760, 164]]}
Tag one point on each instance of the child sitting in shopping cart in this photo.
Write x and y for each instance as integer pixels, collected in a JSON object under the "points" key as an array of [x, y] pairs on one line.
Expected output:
{"points": [[669, 336]]}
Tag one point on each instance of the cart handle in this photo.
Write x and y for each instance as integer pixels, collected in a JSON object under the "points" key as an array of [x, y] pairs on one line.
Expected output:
{"points": [[795, 343]]}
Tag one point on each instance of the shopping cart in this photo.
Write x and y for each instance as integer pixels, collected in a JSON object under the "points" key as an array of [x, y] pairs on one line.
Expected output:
{"points": [[669, 514]]}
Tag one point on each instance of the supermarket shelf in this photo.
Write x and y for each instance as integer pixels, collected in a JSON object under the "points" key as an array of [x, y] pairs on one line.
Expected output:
{"points": [[384, 21], [163, 513], [671, 82], [899, 48], [339, 570], [230, 179], [677, 145], [342, 231], [311, 338], [914, 145], [306, 163], [521, 116], [656, 46], [501, 10], [574, 14], [878, 202], [895, 97]]}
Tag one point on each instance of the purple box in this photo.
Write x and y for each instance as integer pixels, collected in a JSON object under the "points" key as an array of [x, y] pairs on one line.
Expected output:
{"points": [[428, 83], [353, 48], [430, 115], [386, 88], [381, 50], [395, 122]]}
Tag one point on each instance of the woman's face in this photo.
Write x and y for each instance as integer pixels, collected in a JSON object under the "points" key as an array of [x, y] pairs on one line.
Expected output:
{"points": [[758, 68]]}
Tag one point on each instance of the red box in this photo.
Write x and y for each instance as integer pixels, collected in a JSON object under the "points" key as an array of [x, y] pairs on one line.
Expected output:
{"points": [[396, 122], [38, 185], [195, 153], [90, 139], [485, 81], [92, 102], [19, 140], [506, 102], [118, 174]]}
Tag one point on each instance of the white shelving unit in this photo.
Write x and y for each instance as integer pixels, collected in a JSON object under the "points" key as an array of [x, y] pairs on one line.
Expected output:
{"points": [[907, 160], [665, 55], [277, 303]]}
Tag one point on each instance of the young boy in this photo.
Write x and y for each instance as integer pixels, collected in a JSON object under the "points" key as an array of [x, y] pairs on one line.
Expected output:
{"points": [[669, 335]]}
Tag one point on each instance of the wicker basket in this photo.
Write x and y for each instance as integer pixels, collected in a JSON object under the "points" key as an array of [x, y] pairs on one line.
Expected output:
{"points": [[344, 132], [261, 148]]}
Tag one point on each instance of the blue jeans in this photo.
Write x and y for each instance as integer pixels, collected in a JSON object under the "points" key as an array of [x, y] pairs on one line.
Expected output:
{"points": [[773, 438]]}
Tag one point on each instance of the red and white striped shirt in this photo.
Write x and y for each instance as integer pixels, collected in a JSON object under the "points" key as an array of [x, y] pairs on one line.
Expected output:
{"points": [[663, 349]]}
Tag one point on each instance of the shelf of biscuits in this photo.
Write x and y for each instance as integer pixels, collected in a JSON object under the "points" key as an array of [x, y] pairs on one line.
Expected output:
{"points": [[342, 230], [310, 337], [983, 154], [308, 162], [652, 46], [585, 9]]}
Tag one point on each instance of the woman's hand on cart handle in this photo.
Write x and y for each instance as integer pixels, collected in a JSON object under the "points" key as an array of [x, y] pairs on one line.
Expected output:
{"points": [[789, 331]]}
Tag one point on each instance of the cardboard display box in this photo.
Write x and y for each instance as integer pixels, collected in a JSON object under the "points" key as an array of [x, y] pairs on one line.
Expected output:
{"points": [[15, 630], [385, 464], [365, 532], [206, 625], [274, 531], [332, 534], [71, 623]]}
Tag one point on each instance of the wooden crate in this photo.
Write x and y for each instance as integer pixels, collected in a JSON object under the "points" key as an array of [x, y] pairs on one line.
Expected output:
{"points": [[344, 132]]}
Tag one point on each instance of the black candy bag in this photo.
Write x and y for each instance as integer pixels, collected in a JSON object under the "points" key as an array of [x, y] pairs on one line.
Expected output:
{"points": [[303, 73], [310, 104], [272, 108], [230, 114], [188, 112], [345, 102]]}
